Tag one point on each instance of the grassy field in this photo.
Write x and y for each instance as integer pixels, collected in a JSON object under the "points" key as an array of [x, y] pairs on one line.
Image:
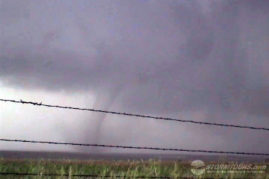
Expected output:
{"points": [[112, 169]]}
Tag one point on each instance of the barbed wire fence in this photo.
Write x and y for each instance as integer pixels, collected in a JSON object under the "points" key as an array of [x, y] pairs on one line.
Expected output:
{"points": [[76, 175], [40, 104], [132, 147], [133, 115]]}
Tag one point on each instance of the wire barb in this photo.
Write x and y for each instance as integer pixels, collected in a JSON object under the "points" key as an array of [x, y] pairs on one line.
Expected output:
{"points": [[135, 115], [133, 147]]}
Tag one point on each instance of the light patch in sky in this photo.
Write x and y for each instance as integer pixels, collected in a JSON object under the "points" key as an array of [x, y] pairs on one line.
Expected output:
{"points": [[18, 121]]}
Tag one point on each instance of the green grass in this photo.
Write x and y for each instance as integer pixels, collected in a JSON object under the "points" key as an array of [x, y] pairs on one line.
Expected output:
{"points": [[130, 169]]}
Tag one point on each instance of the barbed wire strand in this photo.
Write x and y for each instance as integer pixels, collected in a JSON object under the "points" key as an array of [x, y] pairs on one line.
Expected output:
{"points": [[76, 175], [134, 147], [135, 115]]}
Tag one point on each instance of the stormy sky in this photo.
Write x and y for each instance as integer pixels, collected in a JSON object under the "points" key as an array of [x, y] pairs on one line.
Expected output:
{"points": [[204, 60]]}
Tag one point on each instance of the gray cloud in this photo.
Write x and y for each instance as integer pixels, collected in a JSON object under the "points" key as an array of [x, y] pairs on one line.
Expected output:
{"points": [[143, 56]]}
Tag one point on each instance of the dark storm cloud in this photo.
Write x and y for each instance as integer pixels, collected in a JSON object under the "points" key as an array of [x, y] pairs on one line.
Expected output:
{"points": [[157, 57]]}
